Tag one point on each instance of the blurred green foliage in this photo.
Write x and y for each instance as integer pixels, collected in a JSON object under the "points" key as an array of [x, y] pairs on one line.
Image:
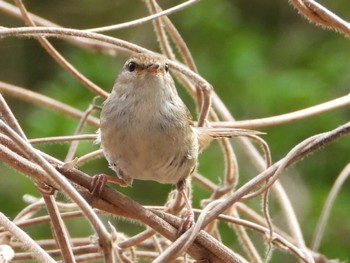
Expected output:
{"points": [[262, 58]]}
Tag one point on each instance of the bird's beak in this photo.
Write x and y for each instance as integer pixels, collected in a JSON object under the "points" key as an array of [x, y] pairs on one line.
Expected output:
{"points": [[152, 67]]}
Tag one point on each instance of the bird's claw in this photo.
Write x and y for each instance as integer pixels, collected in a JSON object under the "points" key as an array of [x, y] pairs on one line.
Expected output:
{"points": [[186, 223], [97, 184]]}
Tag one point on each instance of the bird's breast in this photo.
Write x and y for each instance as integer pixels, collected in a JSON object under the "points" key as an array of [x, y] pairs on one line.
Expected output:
{"points": [[155, 143]]}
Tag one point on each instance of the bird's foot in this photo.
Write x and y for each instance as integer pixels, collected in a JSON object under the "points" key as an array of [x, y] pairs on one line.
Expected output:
{"points": [[99, 181], [188, 220], [186, 223]]}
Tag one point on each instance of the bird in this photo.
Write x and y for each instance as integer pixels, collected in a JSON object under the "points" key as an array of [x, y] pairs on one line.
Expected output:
{"points": [[147, 132]]}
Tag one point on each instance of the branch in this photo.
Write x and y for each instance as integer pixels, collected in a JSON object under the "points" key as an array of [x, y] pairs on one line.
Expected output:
{"points": [[66, 187], [27, 242], [321, 16], [300, 151], [144, 19], [43, 100], [316, 240], [288, 117]]}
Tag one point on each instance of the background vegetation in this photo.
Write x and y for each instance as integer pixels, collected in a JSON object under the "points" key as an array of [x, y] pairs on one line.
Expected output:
{"points": [[262, 58]]}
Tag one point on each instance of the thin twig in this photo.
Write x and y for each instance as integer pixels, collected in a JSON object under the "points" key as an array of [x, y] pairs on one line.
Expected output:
{"points": [[123, 206], [184, 52], [83, 43], [225, 254], [318, 14], [280, 239], [182, 243], [135, 240], [57, 225], [27, 242], [204, 86], [245, 239], [288, 117], [81, 250], [29, 211], [144, 19], [316, 240], [59, 58], [319, 141], [68, 138], [43, 100], [89, 156], [24, 166], [74, 145], [66, 32], [257, 160], [46, 219], [66, 187], [17, 156], [9, 118]]}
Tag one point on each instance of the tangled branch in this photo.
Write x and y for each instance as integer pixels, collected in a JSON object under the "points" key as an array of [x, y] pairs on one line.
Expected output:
{"points": [[159, 241]]}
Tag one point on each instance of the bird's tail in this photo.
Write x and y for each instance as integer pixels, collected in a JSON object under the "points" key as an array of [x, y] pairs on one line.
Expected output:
{"points": [[207, 134]]}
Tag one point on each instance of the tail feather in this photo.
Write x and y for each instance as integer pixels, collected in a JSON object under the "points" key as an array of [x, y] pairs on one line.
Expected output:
{"points": [[207, 134]]}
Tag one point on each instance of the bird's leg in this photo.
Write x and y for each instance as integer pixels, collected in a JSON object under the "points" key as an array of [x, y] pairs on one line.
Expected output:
{"points": [[188, 220], [100, 180]]}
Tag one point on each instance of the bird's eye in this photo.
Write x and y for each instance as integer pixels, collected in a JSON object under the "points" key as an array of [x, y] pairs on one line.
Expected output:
{"points": [[131, 66], [166, 67]]}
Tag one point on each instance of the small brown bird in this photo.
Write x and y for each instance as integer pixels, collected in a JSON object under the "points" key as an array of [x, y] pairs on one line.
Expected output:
{"points": [[146, 131]]}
